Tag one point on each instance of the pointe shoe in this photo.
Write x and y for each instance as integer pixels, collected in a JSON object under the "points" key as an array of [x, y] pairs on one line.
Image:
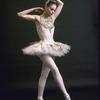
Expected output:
{"points": [[39, 98], [67, 97]]}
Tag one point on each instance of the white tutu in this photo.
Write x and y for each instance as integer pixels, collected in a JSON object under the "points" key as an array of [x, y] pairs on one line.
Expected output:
{"points": [[42, 47]]}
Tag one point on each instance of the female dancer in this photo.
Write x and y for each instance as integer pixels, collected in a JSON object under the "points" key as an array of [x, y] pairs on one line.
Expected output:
{"points": [[47, 48]]}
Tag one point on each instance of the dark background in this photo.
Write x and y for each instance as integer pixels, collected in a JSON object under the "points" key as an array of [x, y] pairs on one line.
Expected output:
{"points": [[77, 26]]}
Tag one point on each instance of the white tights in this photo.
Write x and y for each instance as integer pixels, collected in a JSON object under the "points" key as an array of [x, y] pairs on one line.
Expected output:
{"points": [[49, 64]]}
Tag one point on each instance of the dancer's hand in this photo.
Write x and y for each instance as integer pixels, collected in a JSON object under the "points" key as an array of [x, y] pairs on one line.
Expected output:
{"points": [[39, 9]]}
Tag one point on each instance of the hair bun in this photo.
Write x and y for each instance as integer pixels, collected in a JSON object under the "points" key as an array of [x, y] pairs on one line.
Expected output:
{"points": [[54, 1]]}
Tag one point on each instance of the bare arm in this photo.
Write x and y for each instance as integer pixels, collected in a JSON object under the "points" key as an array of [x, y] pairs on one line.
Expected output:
{"points": [[24, 14], [59, 8]]}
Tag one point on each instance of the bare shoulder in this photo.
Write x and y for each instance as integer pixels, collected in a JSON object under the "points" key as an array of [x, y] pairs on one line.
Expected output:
{"points": [[37, 17]]}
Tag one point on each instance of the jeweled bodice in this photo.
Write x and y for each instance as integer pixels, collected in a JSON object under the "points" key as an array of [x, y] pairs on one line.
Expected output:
{"points": [[48, 24], [46, 29]]}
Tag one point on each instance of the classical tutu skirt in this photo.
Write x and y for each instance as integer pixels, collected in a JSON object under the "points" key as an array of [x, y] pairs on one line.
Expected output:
{"points": [[44, 47]]}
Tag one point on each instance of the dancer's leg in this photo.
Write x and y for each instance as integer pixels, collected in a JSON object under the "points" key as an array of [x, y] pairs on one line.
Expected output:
{"points": [[42, 81], [49, 62]]}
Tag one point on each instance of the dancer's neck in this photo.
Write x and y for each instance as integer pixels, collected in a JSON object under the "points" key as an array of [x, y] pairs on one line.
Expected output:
{"points": [[45, 15]]}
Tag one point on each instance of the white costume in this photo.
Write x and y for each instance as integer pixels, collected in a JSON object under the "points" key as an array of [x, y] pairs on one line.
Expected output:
{"points": [[46, 45]]}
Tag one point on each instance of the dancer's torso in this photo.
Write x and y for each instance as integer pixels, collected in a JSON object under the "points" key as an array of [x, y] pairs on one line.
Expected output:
{"points": [[46, 29]]}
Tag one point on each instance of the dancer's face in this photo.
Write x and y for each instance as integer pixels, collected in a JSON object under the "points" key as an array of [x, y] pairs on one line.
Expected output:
{"points": [[50, 9]]}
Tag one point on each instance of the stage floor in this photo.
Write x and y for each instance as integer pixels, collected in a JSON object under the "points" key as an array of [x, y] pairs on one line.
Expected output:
{"points": [[84, 93]]}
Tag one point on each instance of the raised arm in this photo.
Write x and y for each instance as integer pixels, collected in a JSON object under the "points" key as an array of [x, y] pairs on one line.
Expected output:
{"points": [[24, 14], [59, 8]]}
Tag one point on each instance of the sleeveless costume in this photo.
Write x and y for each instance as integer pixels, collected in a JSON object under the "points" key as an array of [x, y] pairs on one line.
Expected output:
{"points": [[46, 45]]}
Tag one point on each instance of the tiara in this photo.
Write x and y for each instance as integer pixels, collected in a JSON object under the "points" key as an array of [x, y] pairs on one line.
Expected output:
{"points": [[51, 1]]}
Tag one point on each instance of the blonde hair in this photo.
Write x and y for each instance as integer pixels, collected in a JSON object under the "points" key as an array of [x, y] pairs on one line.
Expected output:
{"points": [[48, 2]]}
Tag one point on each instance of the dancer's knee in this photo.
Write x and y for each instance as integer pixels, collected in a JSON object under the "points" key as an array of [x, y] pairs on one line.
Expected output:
{"points": [[48, 61], [55, 71]]}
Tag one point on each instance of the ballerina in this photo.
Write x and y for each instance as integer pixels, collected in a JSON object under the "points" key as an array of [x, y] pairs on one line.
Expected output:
{"points": [[47, 49]]}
